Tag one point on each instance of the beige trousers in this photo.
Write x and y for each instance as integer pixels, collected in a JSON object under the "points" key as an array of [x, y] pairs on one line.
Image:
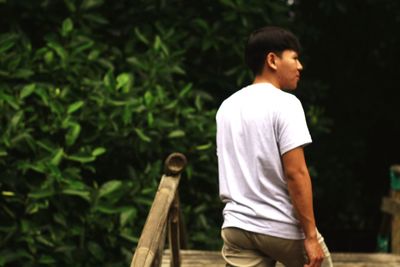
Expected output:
{"points": [[247, 249]]}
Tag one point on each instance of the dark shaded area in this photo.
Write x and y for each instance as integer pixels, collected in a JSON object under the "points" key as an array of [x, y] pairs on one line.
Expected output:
{"points": [[353, 48]]}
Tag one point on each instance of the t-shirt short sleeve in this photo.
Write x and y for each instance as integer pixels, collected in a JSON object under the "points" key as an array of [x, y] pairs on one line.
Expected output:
{"points": [[292, 126]]}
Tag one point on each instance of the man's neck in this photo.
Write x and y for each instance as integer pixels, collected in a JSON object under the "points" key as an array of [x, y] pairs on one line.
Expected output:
{"points": [[264, 79]]}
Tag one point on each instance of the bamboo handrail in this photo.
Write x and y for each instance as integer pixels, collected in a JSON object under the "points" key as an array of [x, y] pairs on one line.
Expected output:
{"points": [[149, 250]]}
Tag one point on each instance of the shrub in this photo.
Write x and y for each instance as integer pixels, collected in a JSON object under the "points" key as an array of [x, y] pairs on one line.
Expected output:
{"points": [[83, 142], [93, 97]]}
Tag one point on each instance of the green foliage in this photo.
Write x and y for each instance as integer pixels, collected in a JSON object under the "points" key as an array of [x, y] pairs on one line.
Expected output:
{"points": [[82, 141], [93, 96]]}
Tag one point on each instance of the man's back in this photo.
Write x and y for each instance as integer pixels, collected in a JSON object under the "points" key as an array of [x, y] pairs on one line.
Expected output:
{"points": [[254, 128]]}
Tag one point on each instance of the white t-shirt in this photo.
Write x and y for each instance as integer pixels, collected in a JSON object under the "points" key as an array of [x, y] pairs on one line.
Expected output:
{"points": [[255, 126]]}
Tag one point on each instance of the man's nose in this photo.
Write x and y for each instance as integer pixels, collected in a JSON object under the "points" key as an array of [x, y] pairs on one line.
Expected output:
{"points": [[299, 66]]}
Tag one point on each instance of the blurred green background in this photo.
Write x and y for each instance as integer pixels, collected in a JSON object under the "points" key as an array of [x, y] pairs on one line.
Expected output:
{"points": [[94, 94]]}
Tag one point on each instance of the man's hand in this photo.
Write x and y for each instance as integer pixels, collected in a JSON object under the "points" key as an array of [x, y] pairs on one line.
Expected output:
{"points": [[314, 252], [300, 190]]}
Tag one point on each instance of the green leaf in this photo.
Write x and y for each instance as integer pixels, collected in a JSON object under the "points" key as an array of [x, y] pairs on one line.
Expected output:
{"points": [[144, 201], [45, 242], [7, 41], [127, 216], [124, 81], [176, 134], [148, 98], [7, 193], [106, 209], [198, 103], [106, 63], [70, 5], [142, 136], [178, 70], [136, 63], [46, 144], [60, 219], [75, 184], [60, 51], [82, 158], [88, 4], [23, 73], [93, 55], [185, 90], [48, 57], [127, 115], [12, 256], [117, 103], [96, 18], [201, 23], [141, 36], [157, 43], [75, 106], [27, 90], [98, 151], [96, 251], [36, 206], [228, 3], [10, 100], [14, 63], [150, 119], [26, 225], [16, 119], [37, 166], [204, 147], [200, 208], [67, 27], [109, 80], [86, 44], [22, 137], [79, 193], [46, 259], [172, 104], [58, 155], [43, 193], [41, 92], [72, 134], [109, 187], [127, 234]]}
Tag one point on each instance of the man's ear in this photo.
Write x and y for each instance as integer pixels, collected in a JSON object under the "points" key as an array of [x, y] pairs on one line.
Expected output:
{"points": [[270, 60]]}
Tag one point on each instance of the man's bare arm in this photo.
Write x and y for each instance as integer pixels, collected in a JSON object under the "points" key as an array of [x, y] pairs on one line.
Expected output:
{"points": [[300, 190]]}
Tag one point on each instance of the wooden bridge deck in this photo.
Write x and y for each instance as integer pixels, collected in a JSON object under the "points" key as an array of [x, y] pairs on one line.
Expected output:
{"points": [[165, 212], [198, 258]]}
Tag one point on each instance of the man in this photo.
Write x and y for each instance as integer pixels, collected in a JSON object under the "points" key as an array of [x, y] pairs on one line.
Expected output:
{"points": [[263, 177]]}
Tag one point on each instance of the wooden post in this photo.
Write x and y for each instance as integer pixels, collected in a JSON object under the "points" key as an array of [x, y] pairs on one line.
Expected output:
{"points": [[152, 235], [395, 195], [183, 240], [391, 205], [173, 233]]}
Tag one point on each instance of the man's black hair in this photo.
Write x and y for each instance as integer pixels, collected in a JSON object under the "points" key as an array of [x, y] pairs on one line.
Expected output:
{"points": [[266, 40]]}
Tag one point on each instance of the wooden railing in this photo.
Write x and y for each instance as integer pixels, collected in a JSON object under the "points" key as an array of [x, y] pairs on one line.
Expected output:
{"points": [[164, 216]]}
